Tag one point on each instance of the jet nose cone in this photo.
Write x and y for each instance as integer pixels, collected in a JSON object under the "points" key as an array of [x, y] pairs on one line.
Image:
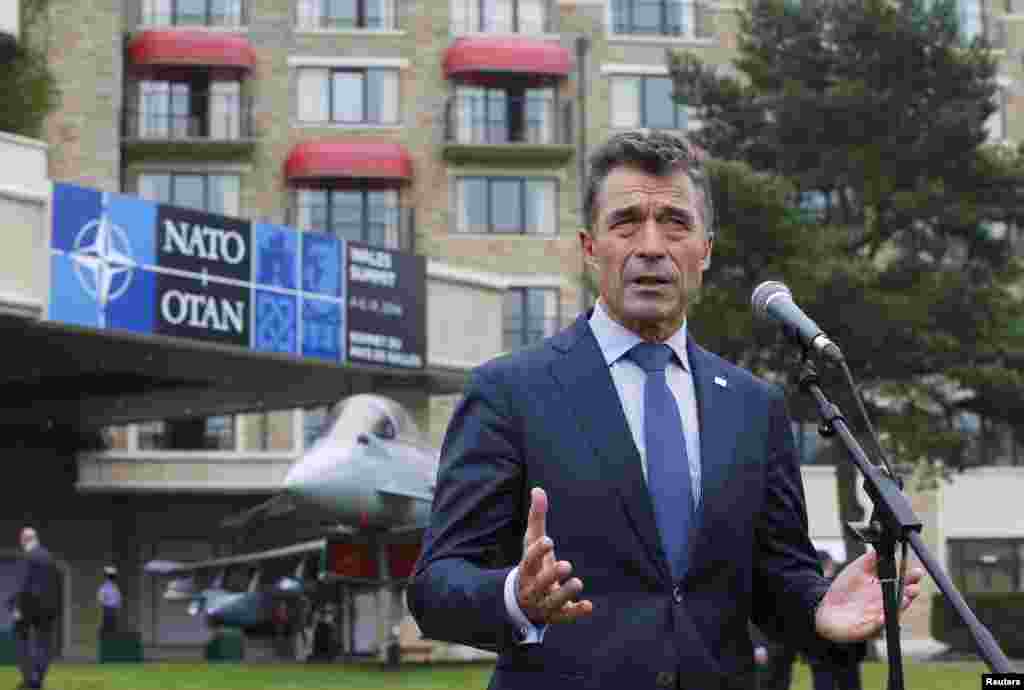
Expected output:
{"points": [[301, 478]]}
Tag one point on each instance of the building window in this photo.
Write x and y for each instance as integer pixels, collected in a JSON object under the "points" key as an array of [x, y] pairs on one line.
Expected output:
{"points": [[267, 430], [198, 108], [987, 565], [653, 17], [199, 433], [355, 96], [499, 116], [346, 14], [315, 423], [202, 192], [506, 205], [360, 213], [192, 12], [645, 101], [531, 314], [501, 16]]}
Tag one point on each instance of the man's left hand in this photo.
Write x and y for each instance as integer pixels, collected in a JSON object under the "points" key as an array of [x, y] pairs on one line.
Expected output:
{"points": [[852, 607]]}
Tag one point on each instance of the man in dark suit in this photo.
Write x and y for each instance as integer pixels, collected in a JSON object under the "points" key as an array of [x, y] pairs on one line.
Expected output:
{"points": [[665, 477], [34, 605]]}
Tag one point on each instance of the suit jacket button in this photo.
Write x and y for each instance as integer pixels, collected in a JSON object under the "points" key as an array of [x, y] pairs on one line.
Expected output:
{"points": [[666, 679], [677, 594]]}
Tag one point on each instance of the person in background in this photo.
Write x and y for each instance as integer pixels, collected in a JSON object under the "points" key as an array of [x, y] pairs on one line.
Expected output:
{"points": [[109, 598], [34, 606]]}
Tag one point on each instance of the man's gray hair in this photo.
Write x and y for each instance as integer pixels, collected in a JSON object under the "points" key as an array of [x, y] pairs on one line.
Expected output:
{"points": [[654, 152]]}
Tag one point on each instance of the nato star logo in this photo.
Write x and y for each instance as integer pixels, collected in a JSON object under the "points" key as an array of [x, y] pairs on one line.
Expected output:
{"points": [[102, 257]]}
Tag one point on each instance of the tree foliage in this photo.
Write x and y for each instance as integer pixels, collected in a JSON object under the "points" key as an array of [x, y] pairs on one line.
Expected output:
{"points": [[854, 166], [29, 87]]}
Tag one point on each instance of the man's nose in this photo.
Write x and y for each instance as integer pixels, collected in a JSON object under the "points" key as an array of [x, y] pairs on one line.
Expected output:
{"points": [[651, 241]]}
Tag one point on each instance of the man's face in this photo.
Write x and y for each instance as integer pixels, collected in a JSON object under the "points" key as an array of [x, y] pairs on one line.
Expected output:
{"points": [[650, 248]]}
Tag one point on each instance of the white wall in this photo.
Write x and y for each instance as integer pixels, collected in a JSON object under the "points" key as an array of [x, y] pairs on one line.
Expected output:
{"points": [[24, 202], [986, 502], [9, 21]]}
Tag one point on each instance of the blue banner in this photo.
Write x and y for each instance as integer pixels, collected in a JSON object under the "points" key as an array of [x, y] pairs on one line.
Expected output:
{"points": [[118, 262]]}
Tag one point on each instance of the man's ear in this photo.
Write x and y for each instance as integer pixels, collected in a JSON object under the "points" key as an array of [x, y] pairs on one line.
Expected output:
{"points": [[587, 247]]}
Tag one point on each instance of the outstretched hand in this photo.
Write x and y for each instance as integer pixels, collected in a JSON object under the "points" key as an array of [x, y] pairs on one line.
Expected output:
{"points": [[543, 592], [852, 608]]}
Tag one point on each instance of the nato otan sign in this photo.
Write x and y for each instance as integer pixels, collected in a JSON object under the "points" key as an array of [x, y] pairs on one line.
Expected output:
{"points": [[118, 262]]}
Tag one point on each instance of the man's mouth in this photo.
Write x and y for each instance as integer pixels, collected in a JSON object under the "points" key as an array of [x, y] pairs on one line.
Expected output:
{"points": [[650, 281]]}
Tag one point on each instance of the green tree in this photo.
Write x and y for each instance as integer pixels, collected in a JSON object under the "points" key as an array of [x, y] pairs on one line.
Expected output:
{"points": [[29, 88], [857, 171]]}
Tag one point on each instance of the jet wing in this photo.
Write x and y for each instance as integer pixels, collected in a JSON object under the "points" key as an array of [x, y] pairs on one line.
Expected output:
{"points": [[174, 568], [276, 507], [401, 492]]}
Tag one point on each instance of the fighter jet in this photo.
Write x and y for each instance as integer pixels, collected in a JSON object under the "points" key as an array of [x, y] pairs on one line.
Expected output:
{"points": [[366, 484]]}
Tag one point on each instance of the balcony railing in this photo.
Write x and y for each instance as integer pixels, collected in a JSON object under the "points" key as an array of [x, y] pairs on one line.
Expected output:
{"points": [[378, 15], [229, 121], [510, 120], [225, 19], [505, 17], [386, 227], [654, 18]]}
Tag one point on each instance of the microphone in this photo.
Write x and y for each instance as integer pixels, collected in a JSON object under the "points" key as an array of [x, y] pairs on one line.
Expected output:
{"points": [[772, 299]]}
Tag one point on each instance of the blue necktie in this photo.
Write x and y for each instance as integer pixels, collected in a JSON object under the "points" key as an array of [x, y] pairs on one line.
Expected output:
{"points": [[668, 468]]}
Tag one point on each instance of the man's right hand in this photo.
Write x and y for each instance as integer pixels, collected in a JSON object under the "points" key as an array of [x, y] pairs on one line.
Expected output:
{"points": [[543, 593]]}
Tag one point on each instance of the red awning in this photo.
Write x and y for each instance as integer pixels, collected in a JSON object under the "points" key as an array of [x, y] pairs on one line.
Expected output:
{"points": [[360, 158], [191, 47], [468, 57]]}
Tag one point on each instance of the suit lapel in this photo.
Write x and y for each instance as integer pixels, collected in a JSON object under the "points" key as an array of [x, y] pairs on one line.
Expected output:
{"points": [[715, 416], [588, 387]]}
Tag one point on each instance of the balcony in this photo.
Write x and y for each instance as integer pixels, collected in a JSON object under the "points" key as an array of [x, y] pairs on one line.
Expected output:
{"points": [[510, 130], [388, 227], [189, 471], [530, 17], [222, 129]]}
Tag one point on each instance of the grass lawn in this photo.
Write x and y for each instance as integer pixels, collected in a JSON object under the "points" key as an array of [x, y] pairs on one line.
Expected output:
{"points": [[201, 676]]}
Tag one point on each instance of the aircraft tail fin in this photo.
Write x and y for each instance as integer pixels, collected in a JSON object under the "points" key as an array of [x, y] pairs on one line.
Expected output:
{"points": [[277, 506]]}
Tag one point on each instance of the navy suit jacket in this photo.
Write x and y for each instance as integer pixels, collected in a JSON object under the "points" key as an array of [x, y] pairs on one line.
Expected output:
{"points": [[37, 595], [550, 416]]}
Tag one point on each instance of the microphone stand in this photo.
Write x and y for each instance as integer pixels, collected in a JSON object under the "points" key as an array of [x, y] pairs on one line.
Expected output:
{"points": [[893, 522]]}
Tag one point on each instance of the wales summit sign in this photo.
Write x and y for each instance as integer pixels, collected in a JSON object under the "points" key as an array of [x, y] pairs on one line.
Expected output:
{"points": [[118, 262]]}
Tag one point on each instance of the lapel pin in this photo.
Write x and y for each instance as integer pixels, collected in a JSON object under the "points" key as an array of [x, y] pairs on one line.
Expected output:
{"points": [[721, 382]]}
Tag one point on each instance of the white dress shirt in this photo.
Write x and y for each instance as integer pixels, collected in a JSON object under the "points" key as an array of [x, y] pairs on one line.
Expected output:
{"points": [[614, 341]]}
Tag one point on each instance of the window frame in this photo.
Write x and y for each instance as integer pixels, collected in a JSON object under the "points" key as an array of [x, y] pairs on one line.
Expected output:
{"points": [[524, 292], [364, 188], [364, 72], [642, 110], [688, 30], [523, 180], [320, 19], [206, 187], [174, 16], [462, 6]]}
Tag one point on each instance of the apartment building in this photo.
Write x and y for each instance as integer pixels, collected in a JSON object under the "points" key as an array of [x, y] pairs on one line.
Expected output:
{"points": [[455, 129]]}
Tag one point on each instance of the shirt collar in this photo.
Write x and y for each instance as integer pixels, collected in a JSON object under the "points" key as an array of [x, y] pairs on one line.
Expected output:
{"points": [[615, 340]]}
